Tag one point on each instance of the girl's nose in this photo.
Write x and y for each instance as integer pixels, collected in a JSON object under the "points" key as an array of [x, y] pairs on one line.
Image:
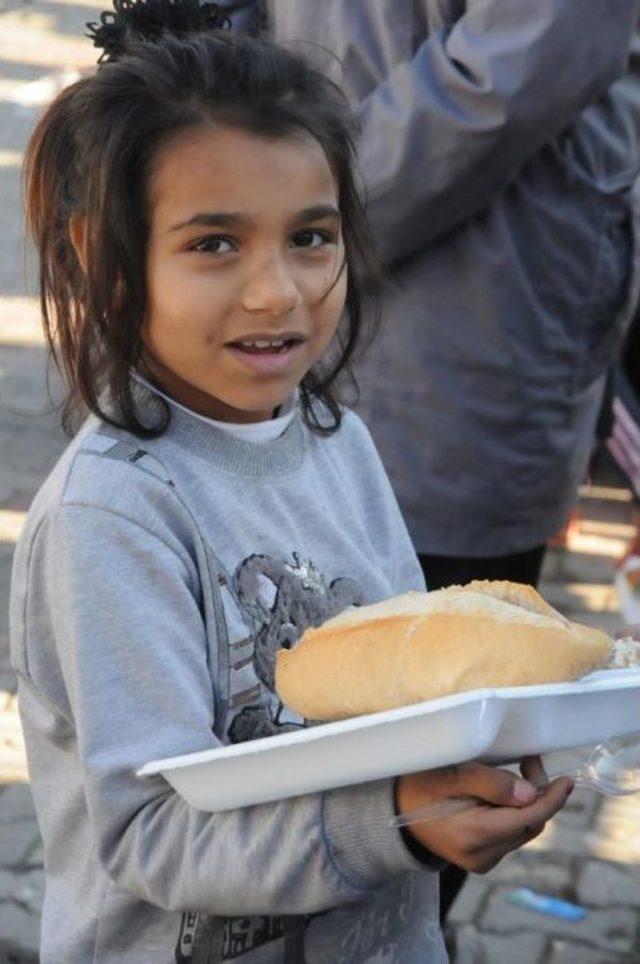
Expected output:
{"points": [[271, 289]]}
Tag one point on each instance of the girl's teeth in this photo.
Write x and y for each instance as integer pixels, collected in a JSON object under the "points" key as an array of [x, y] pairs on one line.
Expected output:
{"points": [[263, 344]]}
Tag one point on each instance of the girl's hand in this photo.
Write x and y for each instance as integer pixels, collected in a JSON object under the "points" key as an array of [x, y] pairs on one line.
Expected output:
{"points": [[477, 838]]}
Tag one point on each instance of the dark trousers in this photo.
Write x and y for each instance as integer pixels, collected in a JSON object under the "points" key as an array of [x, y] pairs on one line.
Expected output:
{"points": [[443, 571]]}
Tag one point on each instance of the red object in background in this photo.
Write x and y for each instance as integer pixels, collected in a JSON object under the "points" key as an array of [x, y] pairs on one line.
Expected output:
{"points": [[624, 441]]}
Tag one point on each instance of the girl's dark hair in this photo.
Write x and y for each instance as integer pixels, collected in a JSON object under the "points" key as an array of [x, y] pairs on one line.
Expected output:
{"points": [[91, 155]]}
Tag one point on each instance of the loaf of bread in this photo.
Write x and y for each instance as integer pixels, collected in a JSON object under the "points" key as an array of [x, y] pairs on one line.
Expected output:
{"points": [[420, 646]]}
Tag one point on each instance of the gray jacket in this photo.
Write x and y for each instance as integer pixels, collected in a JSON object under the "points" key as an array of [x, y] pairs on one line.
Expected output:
{"points": [[499, 163]]}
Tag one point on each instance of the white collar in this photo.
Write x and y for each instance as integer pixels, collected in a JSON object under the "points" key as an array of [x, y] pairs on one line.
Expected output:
{"points": [[263, 432]]}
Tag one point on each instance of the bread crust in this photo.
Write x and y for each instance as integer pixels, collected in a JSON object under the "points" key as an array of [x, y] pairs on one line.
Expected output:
{"points": [[517, 593], [355, 667]]}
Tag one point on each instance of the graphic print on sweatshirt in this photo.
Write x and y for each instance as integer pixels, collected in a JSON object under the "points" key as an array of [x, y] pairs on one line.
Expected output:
{"points": [[267, 604]]}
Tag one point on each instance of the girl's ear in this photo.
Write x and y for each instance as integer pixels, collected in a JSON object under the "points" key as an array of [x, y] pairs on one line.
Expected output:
{"points": [[78, 235]]}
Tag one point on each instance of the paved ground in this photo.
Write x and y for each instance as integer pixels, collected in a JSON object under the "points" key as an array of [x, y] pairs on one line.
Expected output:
{"points": [[589, 854]]}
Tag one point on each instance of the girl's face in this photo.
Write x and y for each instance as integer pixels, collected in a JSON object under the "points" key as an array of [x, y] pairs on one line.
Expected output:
{"points": [[243, 271]]}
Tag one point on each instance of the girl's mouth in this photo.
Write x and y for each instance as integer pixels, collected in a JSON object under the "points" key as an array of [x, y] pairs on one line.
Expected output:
{"points": [[268, 356], [267, 346]]}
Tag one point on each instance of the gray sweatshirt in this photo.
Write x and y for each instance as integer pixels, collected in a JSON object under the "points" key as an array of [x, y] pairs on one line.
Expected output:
{"points": [[153, 584]]}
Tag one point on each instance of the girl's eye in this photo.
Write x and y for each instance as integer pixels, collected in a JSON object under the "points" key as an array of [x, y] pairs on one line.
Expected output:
{"points": [[312, 239], [212, 245]]}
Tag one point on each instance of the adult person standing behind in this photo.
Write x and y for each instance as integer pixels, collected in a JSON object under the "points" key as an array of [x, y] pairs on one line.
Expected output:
{"points": [[499, 151], [499, 157]]}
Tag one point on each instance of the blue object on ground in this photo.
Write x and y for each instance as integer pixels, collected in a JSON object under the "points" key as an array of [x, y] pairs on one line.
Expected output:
{"points": [[545, 904]]}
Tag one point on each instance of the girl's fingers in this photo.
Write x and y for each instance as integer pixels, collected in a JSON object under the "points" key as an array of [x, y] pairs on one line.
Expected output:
{"points": [[492, 785], [533, 771], [521, 824]]}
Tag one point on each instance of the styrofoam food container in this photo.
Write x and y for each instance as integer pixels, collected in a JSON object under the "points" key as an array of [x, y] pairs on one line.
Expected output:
{"points": [[493, 725]]}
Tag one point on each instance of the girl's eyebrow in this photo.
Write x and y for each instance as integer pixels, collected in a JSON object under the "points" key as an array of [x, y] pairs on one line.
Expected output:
{"points": [[317, 213], [236, 218], [212, 219]]}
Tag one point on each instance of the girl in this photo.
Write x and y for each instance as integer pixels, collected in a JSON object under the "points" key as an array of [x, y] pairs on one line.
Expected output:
{"points": [[200, 236]]}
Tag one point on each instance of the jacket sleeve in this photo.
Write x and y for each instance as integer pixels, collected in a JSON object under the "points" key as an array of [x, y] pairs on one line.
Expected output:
{"points": [[385, 527], [447, 130], [119, 603]]}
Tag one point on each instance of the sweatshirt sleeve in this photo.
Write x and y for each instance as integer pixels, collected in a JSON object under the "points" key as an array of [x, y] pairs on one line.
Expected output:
{"points": [[119, 604], [449, 129]]}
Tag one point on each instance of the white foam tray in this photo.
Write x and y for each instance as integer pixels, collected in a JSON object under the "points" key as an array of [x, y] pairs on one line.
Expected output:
{"points": [[493, 725]]}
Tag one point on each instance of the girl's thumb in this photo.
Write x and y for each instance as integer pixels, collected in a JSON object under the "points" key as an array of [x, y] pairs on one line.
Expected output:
{"points": [[493, 785], [523, 792]]}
